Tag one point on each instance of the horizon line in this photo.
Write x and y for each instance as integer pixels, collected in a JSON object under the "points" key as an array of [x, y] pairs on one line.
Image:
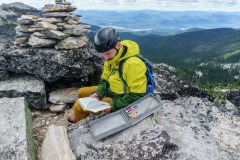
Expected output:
{"points": [[154, 10]]}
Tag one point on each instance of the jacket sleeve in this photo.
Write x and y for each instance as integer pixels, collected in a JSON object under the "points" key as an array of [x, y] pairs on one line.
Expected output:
{"points": [[134, 71], [125, 100], [103, 84], [102, 88]]}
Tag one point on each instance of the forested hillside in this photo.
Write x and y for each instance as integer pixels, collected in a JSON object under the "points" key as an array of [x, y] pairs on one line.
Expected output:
{"points": [[193, 47], [206, 56]]}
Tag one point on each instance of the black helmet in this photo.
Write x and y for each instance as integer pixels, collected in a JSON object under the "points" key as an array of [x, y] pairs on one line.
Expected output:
{"points": [[105, 39]]}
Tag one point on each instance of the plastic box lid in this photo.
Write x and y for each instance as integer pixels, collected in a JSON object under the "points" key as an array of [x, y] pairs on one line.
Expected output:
{"points": [[126, 117]]}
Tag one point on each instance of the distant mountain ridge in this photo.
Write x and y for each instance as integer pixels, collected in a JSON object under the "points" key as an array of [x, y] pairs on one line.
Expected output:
{"points": [[145, 22]]}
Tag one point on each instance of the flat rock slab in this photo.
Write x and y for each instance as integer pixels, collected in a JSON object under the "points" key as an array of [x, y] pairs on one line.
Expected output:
{"points": [[72, 43], [39, 42], [142, 141], [56, 108], [63, 96], [16, 139], [57, 14], [58, 8], [200, 130], [30, 87]]}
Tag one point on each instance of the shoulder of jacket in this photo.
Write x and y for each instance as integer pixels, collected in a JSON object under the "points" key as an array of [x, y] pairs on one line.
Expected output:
{"points": [[134, 60]]}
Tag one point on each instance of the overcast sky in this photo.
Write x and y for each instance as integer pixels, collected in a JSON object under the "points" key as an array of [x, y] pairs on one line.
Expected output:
{"points": [[166, 5]]}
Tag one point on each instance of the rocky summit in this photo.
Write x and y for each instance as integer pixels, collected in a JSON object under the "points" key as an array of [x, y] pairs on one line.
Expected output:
{"points": [[48, 56], [51, 47]]}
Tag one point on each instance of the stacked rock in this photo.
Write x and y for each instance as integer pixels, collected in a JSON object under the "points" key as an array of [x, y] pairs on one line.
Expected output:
{"points": [[58, 28]]}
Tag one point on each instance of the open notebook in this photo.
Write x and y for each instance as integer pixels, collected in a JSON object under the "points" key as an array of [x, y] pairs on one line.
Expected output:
{"points": [[93, 104]]}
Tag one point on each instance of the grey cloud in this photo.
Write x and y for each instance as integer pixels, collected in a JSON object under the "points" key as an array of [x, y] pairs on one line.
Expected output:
{"points": [[217, 1], [111, 1], [227, 2], [132, 1], [233, 2]]}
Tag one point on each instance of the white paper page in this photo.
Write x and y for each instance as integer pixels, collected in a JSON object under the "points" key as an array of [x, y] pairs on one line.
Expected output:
{"points": [[85, 101], [96, 106], [93, 104]]}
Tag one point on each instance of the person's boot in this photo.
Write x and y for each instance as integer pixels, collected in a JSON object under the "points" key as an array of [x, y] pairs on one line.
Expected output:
{"points": [[69, 116], [71, 119]]}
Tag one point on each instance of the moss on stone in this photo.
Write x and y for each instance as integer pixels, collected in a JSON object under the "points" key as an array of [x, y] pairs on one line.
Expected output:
{"points": [[32, 146]]}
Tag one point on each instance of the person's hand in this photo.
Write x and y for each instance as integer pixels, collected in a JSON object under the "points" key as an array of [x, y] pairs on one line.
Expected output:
{"points": [[95, 95], [108, 110]]}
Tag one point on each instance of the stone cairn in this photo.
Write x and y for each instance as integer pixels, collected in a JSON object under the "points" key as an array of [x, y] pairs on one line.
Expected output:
{"points": [[59, 28]]}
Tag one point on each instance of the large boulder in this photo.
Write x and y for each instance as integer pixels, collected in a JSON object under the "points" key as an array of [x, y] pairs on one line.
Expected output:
{"points": [[30, 87], [16, 140], [169, 87], [144, 140], [234, 97], [200, 130], [51, 65]]}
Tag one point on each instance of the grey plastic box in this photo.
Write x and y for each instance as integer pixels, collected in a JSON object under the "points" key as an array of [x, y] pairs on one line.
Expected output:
{"points": [[125, 117]]}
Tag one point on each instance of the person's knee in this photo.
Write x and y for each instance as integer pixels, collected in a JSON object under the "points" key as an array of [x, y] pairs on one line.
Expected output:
{"points": [[76, 107], [79, 113], [86, 91], [80, 93]]}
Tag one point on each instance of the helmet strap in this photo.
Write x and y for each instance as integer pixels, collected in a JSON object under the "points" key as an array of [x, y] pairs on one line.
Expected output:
{"points": [[116, 49], [117, 45]]}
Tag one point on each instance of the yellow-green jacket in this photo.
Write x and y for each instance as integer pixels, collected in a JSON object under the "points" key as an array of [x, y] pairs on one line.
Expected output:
{"points": [[133, 70]]}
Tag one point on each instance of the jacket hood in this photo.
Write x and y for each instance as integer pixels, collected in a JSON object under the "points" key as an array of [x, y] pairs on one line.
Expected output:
{"points": [[132, 49]]}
